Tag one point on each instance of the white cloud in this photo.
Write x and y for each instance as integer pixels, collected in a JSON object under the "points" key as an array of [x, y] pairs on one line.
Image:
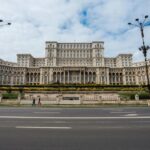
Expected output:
{"points": [[36, 21]]}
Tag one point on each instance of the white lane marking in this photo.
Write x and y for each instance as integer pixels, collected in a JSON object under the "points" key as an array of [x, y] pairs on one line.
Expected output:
{"points": [[121, 117], [51, 121], [128, 115], [50, 109], [112, 109], [116, 127], [38, 127], [47, 112], [121, 112]]}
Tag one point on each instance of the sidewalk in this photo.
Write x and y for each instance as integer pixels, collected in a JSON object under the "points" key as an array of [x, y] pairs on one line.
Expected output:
{"points": [[72, 103]]}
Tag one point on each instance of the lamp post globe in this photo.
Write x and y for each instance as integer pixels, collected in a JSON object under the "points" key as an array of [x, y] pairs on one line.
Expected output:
{"points": [[4, 23]]}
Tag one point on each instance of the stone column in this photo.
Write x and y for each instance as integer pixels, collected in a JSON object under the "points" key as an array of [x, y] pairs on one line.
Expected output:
{"points": [[56, 77], [136, 80], [80, 77], [124, 77], [119, 78], [2, 80], [132, 79], [6, 79], [52, 76], [97, 76], [37, 79], [115, 78], [41, 78], [108, 77], [84, 76], [33, 78], [49, 79], [60, 77], [100, 78], [88, 77], [112, 79], [64, 77], [23, 77], [92, 77], [68, 76], [11, 80], [29, 78]]}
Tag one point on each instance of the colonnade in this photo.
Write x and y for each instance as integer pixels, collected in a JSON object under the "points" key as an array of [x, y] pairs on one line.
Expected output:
{"points": [[12, 79], [115, 78], [74, 77], [33, 78]]}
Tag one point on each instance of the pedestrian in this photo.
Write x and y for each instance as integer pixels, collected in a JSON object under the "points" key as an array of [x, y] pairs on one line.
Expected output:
{"points": [[39, 102], [33, 102]]}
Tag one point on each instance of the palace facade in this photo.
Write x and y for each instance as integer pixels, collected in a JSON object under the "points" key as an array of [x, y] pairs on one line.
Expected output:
{"points": [[73, 63]]}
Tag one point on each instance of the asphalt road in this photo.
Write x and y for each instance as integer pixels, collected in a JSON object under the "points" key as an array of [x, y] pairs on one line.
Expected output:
{"points": [[119, 128]]}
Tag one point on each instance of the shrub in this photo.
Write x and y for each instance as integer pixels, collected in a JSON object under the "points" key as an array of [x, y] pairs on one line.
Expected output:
{"points": [[144, 95], [10, 96], [131, 96]]}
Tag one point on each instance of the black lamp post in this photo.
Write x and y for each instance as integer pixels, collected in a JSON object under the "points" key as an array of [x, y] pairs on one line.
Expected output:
{"points": [[143, 48], [5, 23]]}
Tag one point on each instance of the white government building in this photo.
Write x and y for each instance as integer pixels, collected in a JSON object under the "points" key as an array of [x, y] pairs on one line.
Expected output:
{"points": [[73, 63]]}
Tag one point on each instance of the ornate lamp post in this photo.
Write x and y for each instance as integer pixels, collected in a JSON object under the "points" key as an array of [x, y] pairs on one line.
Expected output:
{"points": [[4, 23], [144, 49]]}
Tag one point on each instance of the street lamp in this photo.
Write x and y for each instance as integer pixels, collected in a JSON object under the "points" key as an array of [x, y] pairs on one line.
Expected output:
{"points": [[5, 23], [144, 49]]}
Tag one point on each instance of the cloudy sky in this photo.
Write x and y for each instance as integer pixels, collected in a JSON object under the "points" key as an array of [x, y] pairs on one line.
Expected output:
{"points": [[37, 21]]}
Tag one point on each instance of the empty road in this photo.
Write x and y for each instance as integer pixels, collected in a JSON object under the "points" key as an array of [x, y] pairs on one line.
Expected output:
{"points": [[120, 128]]}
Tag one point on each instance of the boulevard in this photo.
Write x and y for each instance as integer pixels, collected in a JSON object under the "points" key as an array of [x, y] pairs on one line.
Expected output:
{"points": [[114, 128]]}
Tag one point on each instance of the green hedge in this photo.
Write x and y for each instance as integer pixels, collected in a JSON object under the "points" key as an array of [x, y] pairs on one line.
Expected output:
{"points": [[131, 96], [70, 86], [144, 96], [72, 89], [9, 95]]}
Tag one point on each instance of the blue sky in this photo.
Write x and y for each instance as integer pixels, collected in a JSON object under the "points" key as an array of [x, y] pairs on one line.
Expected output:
{"points": [[37, 21]]}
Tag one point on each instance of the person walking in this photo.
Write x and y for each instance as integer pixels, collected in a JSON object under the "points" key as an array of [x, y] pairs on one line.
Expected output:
{"points": [[39, 102], [33, 102]]}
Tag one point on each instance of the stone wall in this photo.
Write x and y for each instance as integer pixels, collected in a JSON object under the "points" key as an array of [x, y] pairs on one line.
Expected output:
{"points": [[82, 97], [75, 102]]}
